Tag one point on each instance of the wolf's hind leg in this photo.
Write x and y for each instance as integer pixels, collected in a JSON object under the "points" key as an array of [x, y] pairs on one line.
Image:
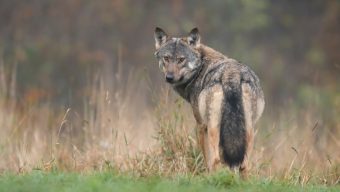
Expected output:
{"points": [[247, 100], [212, 143], [245, 166], [210, 103], [214, 114]]}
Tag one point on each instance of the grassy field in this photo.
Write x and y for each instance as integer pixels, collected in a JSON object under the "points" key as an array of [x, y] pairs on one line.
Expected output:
{"points": [[85, 107], [154, 148], [108, 181]]}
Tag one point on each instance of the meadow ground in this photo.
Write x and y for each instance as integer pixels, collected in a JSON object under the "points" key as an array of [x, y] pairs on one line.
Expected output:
{"points": [[109, 181], [119, 142]]}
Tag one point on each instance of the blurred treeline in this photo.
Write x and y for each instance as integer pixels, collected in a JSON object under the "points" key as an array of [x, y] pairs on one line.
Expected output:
{"points": [[57, 47]]}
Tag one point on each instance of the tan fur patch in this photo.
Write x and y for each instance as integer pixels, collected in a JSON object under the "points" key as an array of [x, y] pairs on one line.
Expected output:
{"points": [[247, 106], [247, 99], [210, 104], [215, 106], [260, 107], [202, 106], [213, 153]]}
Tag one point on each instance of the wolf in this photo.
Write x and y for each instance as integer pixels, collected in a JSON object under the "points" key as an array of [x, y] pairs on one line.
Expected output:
{"points": [[226, 97]]}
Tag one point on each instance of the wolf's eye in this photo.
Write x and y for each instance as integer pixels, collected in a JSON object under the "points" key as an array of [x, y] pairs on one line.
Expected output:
{"points": [[181, 60], [166, 59]]}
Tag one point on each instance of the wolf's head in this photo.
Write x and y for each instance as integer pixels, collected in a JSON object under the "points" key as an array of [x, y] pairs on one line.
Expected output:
{"points": [[178, 58]]}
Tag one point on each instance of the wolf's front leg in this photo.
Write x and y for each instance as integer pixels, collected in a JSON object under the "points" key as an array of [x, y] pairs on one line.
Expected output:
{"points": [[201, 137], [212, 144]]}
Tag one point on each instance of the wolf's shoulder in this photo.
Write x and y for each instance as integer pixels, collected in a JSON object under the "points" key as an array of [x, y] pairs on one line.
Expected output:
{"points": [[220, 68]]}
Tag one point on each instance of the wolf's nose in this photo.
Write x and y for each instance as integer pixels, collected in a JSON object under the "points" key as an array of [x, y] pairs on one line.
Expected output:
{"points": [[169, 77]]}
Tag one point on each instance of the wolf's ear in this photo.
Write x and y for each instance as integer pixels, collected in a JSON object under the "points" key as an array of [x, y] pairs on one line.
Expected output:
{"points": [[160, 37], [194, 38]]}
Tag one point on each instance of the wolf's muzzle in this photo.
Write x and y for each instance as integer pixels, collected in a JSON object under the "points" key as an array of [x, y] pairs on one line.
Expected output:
{"points": [[169, 77]]}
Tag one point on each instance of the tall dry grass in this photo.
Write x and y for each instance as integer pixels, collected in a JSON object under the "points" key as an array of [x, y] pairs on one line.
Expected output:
{"points": [[118, 130]]}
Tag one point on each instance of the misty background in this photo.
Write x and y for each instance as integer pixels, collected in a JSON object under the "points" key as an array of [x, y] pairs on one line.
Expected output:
{"points": [[80, 88], [58, 50]]}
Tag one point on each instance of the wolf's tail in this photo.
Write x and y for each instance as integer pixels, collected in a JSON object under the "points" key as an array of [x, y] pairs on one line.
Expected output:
{"points": [[233, 131]]}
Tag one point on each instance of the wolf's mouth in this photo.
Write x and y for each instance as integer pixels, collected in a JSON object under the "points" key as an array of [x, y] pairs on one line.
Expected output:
{"points": [[177, 82], [172, 80]]}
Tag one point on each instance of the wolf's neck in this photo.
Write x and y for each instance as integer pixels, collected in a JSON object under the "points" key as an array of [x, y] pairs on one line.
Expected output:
{"points": [[189, 89], [209, 55]]}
